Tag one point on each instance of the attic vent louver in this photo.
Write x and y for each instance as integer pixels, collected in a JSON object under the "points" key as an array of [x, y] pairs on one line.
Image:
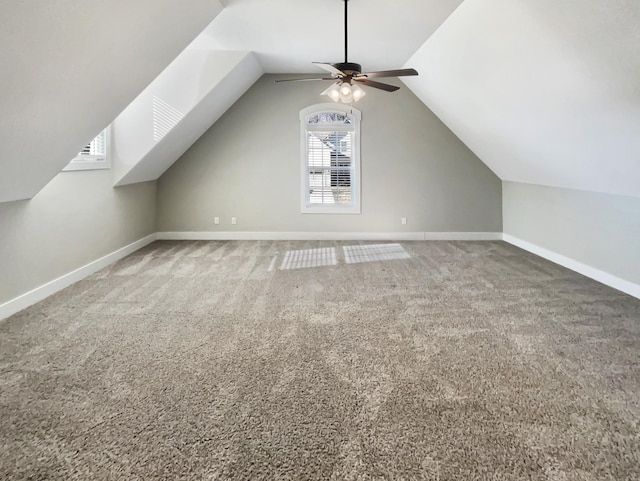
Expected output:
{"points": [[165, 118]]}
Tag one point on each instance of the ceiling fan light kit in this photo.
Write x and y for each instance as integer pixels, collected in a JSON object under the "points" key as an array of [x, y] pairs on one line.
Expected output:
{"points": [[357, 92], [347, 75]]}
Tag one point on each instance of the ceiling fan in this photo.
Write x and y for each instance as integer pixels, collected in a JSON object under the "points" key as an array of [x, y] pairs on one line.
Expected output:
{"points": [[348, 76]]}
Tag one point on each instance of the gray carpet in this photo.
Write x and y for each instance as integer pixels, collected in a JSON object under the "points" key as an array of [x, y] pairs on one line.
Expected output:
{"points": [[249, 361]]}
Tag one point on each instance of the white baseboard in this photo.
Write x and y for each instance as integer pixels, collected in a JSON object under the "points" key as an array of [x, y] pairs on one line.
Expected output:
{"points": [[396, 236], [39, 293], [584, 269], [463, 236]]}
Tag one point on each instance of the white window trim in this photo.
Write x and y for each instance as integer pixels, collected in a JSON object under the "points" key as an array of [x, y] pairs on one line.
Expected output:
{"points": [[305, 206], [93, 162]]}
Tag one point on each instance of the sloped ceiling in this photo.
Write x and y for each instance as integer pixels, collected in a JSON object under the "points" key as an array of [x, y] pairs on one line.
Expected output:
{"points": [[69, 67], [543, 91]]}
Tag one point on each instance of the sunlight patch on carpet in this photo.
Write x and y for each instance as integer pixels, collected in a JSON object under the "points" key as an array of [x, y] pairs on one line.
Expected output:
{"points": [[309, 258], [372, 253]]}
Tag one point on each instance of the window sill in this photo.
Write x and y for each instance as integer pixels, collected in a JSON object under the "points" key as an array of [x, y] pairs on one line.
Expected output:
{"points": [[87, 164]]}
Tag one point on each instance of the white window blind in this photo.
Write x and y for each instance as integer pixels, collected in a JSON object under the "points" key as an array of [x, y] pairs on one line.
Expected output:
{"points": [[329, 164]]}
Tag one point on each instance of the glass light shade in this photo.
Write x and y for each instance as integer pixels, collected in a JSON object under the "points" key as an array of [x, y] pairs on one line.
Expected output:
{"points": [[346, 95], [334, 92], [357, 92]]}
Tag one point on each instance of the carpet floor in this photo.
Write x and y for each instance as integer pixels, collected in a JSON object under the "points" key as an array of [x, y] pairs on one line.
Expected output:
{"points": [[239, 360]]}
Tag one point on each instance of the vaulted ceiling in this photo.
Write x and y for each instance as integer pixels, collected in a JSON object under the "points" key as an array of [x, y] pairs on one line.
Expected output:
{"points": [[542, 91]]}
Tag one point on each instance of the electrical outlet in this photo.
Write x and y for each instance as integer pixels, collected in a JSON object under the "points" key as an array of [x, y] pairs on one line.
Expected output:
{"points": [[403, 220], [216, 220], [234, 221]]}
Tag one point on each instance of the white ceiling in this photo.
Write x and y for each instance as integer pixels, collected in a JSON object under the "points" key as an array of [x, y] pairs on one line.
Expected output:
{"points": [[543, 91], [287, 35]]}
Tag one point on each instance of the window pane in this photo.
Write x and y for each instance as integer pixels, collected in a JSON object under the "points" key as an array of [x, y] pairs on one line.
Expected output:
{"points": [[329, 186], [329, 149], [95, 147]]}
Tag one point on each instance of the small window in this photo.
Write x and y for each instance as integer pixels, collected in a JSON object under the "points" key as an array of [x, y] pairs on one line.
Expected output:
{"points": [[93, 155], [330, 159]]}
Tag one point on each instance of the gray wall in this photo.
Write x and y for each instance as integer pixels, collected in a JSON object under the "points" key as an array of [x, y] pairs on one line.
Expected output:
{"points": [[248, 166], [600, 230], [77, 218]]}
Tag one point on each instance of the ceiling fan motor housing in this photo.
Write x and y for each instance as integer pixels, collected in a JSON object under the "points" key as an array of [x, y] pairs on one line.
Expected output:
{"points": [[349, 68]]}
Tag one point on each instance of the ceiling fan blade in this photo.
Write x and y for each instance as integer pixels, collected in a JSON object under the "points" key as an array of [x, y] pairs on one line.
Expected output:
{"points": [[405, 72], [303, 79], [376, 85], [330, 68]]}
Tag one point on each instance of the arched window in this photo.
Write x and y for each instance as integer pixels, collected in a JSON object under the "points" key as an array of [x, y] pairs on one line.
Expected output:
{"points": [[330, 177]]}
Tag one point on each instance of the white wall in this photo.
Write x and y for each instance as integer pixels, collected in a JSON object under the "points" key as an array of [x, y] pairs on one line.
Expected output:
{"points": [[601, 231], [248, 166], [77, 218]]}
